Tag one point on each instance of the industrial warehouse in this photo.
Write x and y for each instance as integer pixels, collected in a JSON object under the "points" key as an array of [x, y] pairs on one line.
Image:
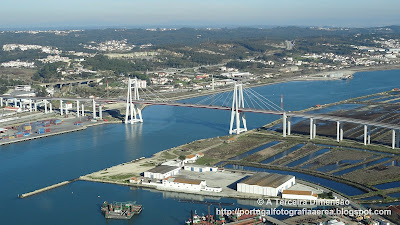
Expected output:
{"points": [[266, 184]]}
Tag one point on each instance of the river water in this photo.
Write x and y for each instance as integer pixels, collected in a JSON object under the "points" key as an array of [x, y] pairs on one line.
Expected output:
{"points": [[35, 164]]}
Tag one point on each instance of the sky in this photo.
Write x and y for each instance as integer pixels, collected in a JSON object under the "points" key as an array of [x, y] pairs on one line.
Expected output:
{"points": [[195, 13]]}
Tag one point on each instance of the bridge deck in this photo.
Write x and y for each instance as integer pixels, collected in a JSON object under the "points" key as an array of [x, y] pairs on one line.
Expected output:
{"points": [[324, 117]]}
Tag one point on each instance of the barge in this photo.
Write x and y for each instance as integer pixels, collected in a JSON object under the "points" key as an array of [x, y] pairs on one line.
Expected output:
{"points": [[120, 210]]}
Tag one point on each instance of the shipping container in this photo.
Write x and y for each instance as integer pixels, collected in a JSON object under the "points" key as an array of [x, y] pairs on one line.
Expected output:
{"points": [[40, 131], [78, 123], [29, 127], [47, 125], [47, 130], [19, 135], [26, 134]]}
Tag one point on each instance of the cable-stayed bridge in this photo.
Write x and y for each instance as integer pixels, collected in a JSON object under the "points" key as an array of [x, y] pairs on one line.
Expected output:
{"points": [[240, 101]]}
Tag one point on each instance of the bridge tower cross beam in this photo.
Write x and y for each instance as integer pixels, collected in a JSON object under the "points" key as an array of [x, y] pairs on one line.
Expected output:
{"points": [[133, 110], [236, 115]]}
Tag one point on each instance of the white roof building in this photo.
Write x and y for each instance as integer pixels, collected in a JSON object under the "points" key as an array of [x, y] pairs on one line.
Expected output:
{"points": [[177, 163], [293, 194], [162, 172]]}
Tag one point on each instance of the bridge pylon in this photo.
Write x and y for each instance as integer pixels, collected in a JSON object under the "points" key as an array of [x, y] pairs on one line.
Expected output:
{"points": [[133, 110], [236, 115]]}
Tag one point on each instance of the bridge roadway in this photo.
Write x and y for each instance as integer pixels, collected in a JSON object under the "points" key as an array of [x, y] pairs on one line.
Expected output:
{"points": [[324, 117], [61, 98]]}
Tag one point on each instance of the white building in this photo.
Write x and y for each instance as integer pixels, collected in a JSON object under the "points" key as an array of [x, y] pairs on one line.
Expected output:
{"points": [[237, 74], [200, 168], [190, 185], [192, 158], [141, 83], [23, 88], [270, 184], [293, 194], [177, 163], [162, 172], [184, 184], [335, 222]]}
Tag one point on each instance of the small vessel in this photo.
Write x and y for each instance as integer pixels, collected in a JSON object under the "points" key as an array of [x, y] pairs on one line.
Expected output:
{"points": [[195, 219], [120, 210], [347, 77]]}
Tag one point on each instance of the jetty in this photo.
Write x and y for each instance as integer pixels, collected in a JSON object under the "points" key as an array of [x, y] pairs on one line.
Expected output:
{"points": [[45, 189]]}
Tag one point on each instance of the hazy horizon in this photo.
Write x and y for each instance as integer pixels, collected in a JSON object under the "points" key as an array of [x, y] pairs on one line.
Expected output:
{"points": [[206, 13]]}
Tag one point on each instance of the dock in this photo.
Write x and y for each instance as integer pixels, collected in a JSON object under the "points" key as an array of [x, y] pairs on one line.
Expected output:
{"points": [[45, 189], [37, 136]]}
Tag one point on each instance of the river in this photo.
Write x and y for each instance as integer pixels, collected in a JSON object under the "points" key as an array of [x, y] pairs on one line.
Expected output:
{"points": [[35, 164]]}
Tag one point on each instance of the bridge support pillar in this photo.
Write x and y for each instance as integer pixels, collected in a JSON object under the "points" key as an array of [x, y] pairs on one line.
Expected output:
{"points": [[236, 115], [35, 105], [77, 109], [284, 118], [6, 102], [101, 112], [45, 106], [15, 102], [94, 109], [289, 125], [311, 128], [314, 128], [393, 138], [369, 135], [1, 102], [30, 105], [366, 134], [83, 110], [341, 131], [61, 107], [50, 107], [133, 110], [397, 139], [337, 131]]}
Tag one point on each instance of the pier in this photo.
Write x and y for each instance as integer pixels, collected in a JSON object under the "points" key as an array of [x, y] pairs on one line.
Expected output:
{"points": [[46, 189]]}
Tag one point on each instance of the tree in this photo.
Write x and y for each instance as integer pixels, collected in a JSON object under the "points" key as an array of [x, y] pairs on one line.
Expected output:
{"points": [[40, 91]]}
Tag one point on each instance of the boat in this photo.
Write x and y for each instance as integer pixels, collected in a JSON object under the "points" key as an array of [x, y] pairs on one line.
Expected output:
{"points": [[347, 77], [120, 210]]}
